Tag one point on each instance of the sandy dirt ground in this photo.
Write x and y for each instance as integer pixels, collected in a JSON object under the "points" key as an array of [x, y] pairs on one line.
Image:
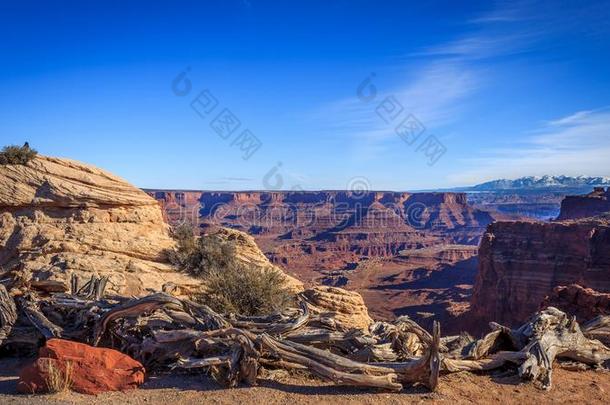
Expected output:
{"points": [[569, 387]]}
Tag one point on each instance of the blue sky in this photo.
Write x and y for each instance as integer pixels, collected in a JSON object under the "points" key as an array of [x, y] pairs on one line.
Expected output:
{"points": [[499, 89]]}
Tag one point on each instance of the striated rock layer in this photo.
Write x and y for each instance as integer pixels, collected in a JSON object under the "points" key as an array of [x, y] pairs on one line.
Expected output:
{"points": [[59, 217], [521, 263], [312, 231], [584, 303], [343, 309], [406, 253], [583, 206]]}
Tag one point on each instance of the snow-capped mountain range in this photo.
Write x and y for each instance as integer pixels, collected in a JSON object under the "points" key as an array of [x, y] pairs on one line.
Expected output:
{"points": [[537, 182]]}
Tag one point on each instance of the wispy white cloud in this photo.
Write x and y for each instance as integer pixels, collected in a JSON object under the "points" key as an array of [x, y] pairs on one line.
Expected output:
{"points": [[443, 77], [436, 91], [577, 144], [432, 95]]}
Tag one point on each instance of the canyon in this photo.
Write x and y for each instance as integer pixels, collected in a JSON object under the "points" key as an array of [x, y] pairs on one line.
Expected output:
{"points": [[405, 253], [444, 256]]}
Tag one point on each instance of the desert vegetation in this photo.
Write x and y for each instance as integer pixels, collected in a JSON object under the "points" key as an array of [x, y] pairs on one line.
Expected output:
{"points": [[17, 155], [231, 285]]}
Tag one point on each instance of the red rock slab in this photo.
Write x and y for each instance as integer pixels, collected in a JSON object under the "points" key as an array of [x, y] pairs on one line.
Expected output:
{"points": [[93, 369]]}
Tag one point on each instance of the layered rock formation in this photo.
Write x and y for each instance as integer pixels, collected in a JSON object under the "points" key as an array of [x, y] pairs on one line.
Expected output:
{"points": [[584, 303], [328, 230], [341, 309], [406, 253], [59, 217], [521, 263], [583, 206]]}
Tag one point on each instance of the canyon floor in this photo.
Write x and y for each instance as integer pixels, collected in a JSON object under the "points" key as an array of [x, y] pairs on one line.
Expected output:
{"points": [[503, 387]]}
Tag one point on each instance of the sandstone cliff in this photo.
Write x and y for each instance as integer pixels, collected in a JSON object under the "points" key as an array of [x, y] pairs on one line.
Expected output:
{"points": [[584, 303], [521, 263], [59, 216], [583, 206]]}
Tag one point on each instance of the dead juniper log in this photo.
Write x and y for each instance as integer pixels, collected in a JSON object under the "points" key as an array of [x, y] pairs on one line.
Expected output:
{"points": [[93, 289], [165, 332], [598, 328], [424, 370], [283, 352], [552, 334], [134, 308], [548, 335], [8, 314], [31, 307]]}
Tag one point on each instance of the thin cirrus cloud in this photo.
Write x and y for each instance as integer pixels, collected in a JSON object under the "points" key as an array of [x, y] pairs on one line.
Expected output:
{"points": [[577, 144], [445, 76], [431, 96], [439, 88]]}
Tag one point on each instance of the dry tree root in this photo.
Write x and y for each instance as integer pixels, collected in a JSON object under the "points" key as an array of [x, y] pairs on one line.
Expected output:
{"points": [[552, 334], [165, 332], [548, 335], [8, 314]]}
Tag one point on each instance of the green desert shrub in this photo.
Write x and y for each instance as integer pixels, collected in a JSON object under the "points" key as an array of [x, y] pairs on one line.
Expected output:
{"points": [[17, 155], [231, 285], [186, 246], [246, 290]]}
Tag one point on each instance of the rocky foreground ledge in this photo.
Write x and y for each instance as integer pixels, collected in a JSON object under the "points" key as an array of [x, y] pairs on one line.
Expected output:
{"points": [[59, 217]]}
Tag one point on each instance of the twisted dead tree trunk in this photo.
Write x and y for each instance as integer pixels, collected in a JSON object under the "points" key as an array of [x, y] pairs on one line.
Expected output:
{"points": [[315, 364], [30, 306], [598, 328], [552, 334], [134, 308], [548, 335], [8, 314], [163, 331]]}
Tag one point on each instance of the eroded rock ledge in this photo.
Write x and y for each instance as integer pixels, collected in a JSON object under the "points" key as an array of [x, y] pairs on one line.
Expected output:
{"points": [[59, 216]]}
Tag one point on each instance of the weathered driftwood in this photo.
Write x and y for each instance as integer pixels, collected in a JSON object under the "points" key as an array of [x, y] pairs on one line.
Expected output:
{"points": [[32, 311], [383, 381], [8, 314], [552, 334], [134, 308], [163, 331], [598, 328]]}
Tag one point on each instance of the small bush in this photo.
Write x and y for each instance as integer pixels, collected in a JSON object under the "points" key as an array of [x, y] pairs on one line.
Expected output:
{"points": [[58, 380], [186, 246], [231, 285], [17, 155], [246, 290]]}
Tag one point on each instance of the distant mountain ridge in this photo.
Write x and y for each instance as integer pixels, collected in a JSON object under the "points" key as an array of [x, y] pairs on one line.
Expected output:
{"points": [[542, 182]]}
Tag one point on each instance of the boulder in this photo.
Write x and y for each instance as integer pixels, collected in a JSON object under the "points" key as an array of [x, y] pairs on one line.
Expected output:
{"points": [[338, 307], [91, 370]]}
